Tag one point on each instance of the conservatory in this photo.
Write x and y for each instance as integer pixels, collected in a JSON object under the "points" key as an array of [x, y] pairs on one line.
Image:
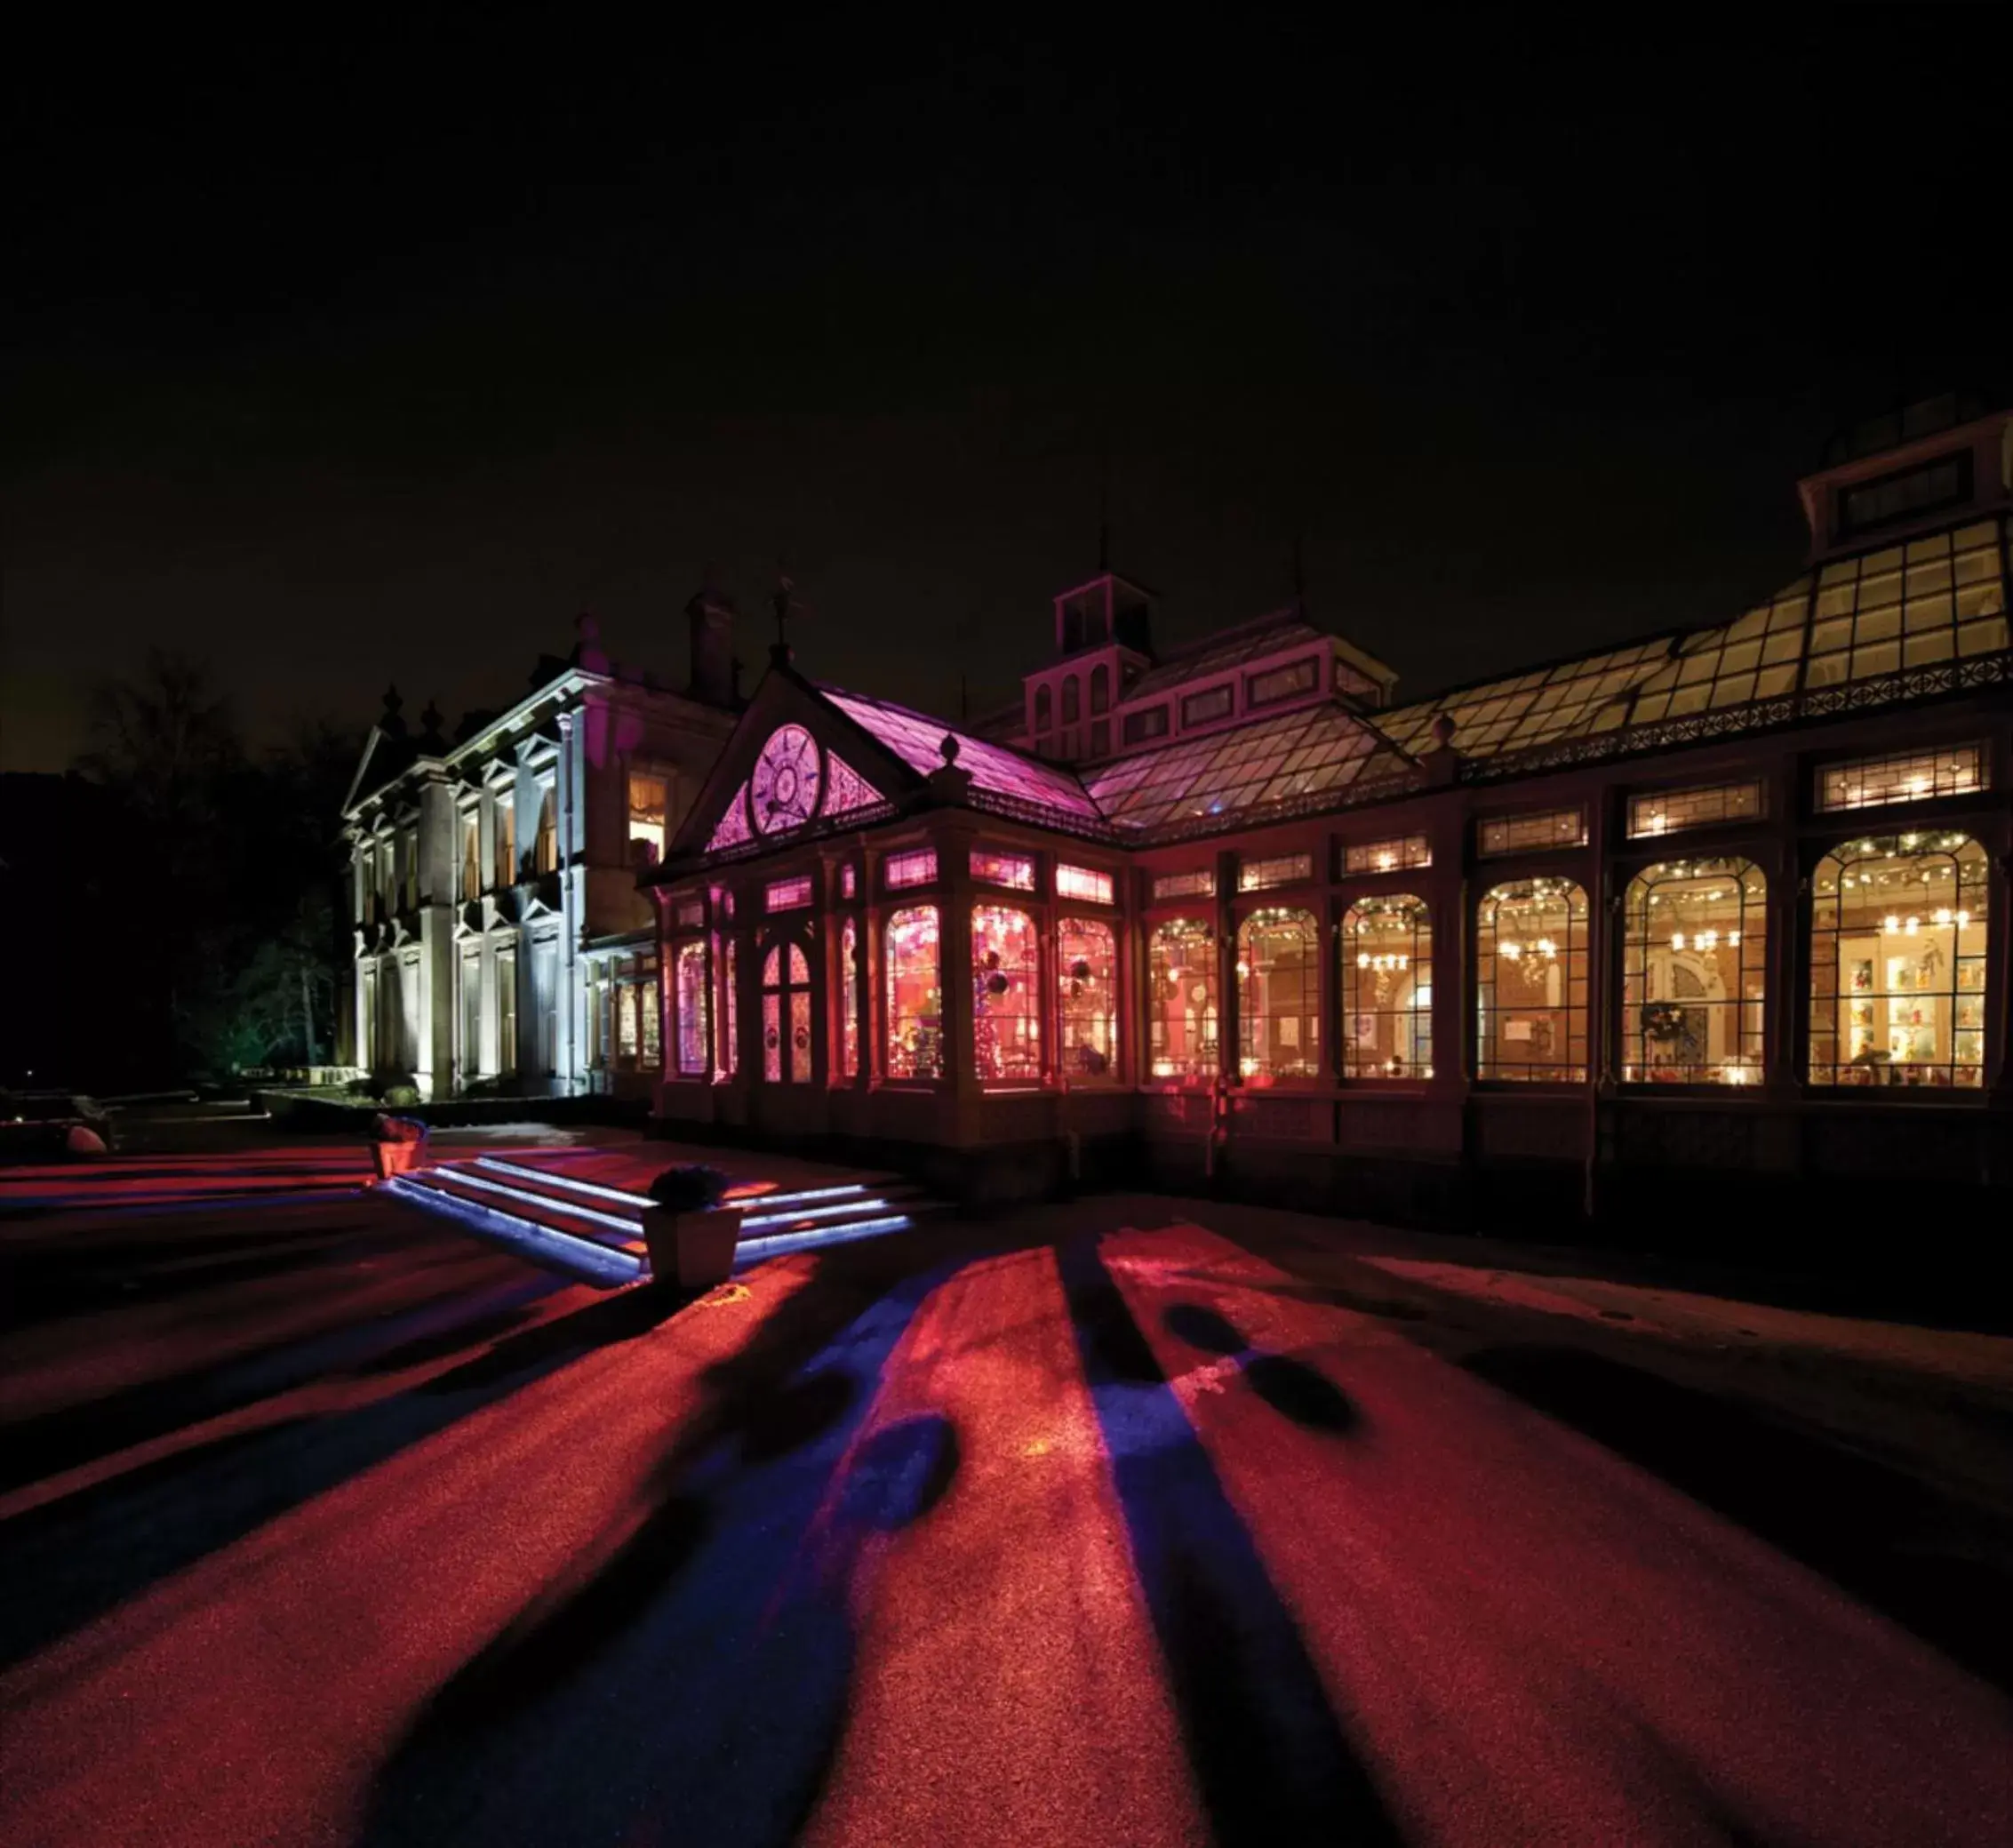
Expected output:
{"points": [[1717, 901]]}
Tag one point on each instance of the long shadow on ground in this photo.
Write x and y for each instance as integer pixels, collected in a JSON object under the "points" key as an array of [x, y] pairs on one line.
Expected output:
{"points": [[1872, 1530], [1269, 1756], [689, 1683]]}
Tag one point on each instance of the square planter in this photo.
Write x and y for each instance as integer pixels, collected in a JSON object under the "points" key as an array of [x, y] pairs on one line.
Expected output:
{"points": [[394, 1157], [693, 1250]]}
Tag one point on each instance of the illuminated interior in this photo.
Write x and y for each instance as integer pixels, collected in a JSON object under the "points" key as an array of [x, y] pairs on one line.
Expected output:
{"points": [[1694, 963], [910, 946], [1006, 963], [786, 1014], [1278, 996], [1182, 1006], [1531, 974], [729, 1060], [1087, 981], [1388, 988], [1898, 962], [647, 798]]}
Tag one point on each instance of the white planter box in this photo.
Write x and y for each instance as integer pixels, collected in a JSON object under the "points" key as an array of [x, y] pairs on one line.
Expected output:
{"points": [[693, 1250]]}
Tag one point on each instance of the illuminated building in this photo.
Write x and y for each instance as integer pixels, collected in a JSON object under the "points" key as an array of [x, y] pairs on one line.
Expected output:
{"points": [[499, 935], [1732, 899]]}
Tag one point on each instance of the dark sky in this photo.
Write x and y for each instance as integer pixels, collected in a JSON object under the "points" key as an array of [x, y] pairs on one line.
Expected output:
{"points": [[342, 361]]}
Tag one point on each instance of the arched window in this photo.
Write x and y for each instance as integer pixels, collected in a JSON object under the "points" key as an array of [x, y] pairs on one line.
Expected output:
{"points": [[915, 1014], [545, 850], [1278, 996], [1694, 957], [786, 1013], [1044, 710], [693, 1019], [1100, 688], [1181, 999], [1087, 976], [849, 999], [728, 1060], [1530, 975], [1388, 988], [1006, 1008], [1898, 962], [1072, 708]]}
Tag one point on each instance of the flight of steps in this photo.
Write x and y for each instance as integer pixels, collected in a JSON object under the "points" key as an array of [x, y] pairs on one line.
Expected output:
{"points": [[594, 1231]]}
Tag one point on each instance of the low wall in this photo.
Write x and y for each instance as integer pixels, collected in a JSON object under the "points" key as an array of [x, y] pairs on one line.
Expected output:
{"points": [[304, 1111]]}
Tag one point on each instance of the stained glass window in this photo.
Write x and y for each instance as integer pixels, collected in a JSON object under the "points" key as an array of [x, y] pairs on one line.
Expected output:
{"points": [[1388, 988], [1087, 976], [915, 1024], [1530, 972], [1898, 962], [1277, 683], [849, 882], [1207, 706], [845, 790], [786, 1014], [732, 827], [1181, 1000], [1278, 996], [1413, 850], [1083, 883], [1186, 886], [1877, 782], [689, 967], [1013, 870], [1006, 1035], [1284, 869], [915, 868], [787, 894], [1532, 834], [1672, 811], [1694, 961]]}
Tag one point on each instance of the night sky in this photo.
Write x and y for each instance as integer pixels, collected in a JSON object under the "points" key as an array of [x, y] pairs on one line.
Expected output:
{"points": [[346, 361]]}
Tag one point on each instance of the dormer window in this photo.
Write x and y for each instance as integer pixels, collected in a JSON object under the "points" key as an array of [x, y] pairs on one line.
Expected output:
{"points": [[1906, 494], [1207, 706]]}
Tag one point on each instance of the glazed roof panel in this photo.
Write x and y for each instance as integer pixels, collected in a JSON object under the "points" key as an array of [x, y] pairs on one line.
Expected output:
{"points": [[917, 740]]}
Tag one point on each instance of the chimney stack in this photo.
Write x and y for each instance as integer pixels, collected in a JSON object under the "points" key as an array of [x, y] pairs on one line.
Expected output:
{"points": [[712, 616]]}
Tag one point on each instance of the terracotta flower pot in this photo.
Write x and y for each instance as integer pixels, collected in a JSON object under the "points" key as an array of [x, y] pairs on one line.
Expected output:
{"points": [[693, 1250]]}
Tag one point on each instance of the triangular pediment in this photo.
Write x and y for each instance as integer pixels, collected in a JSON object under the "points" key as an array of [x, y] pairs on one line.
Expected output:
{"points": [[857, 772]]}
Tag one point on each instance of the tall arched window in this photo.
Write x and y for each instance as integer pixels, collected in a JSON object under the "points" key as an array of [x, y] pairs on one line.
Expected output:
{"points": [[1087, 976], [1278, 996], [694, 1021], [1044, 710], [1072, 696], [849, 999], [915, 1011], [1530, 975], [1181, 999], [1898, 962], [1006, 1000], [1694, 957], [786, 1013], [1388, 988], [545, 849], [1100, 688]]}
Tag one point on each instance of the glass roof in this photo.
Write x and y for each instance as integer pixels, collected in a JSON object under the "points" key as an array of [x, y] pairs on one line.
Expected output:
{"points": [[918, 741], [1267, 636], [1313, 751], [1938, 598]]}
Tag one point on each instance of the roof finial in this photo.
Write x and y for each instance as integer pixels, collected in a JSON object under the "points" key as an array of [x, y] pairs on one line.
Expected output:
{"points": [[948, 750], [785, 605]]}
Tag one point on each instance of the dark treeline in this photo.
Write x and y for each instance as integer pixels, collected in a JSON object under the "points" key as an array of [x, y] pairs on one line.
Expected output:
{"points": [[170, 904]]}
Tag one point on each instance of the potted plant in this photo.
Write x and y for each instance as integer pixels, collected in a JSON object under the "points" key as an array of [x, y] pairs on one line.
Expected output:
{"points": [[396, 1143], [689, 1236]]}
